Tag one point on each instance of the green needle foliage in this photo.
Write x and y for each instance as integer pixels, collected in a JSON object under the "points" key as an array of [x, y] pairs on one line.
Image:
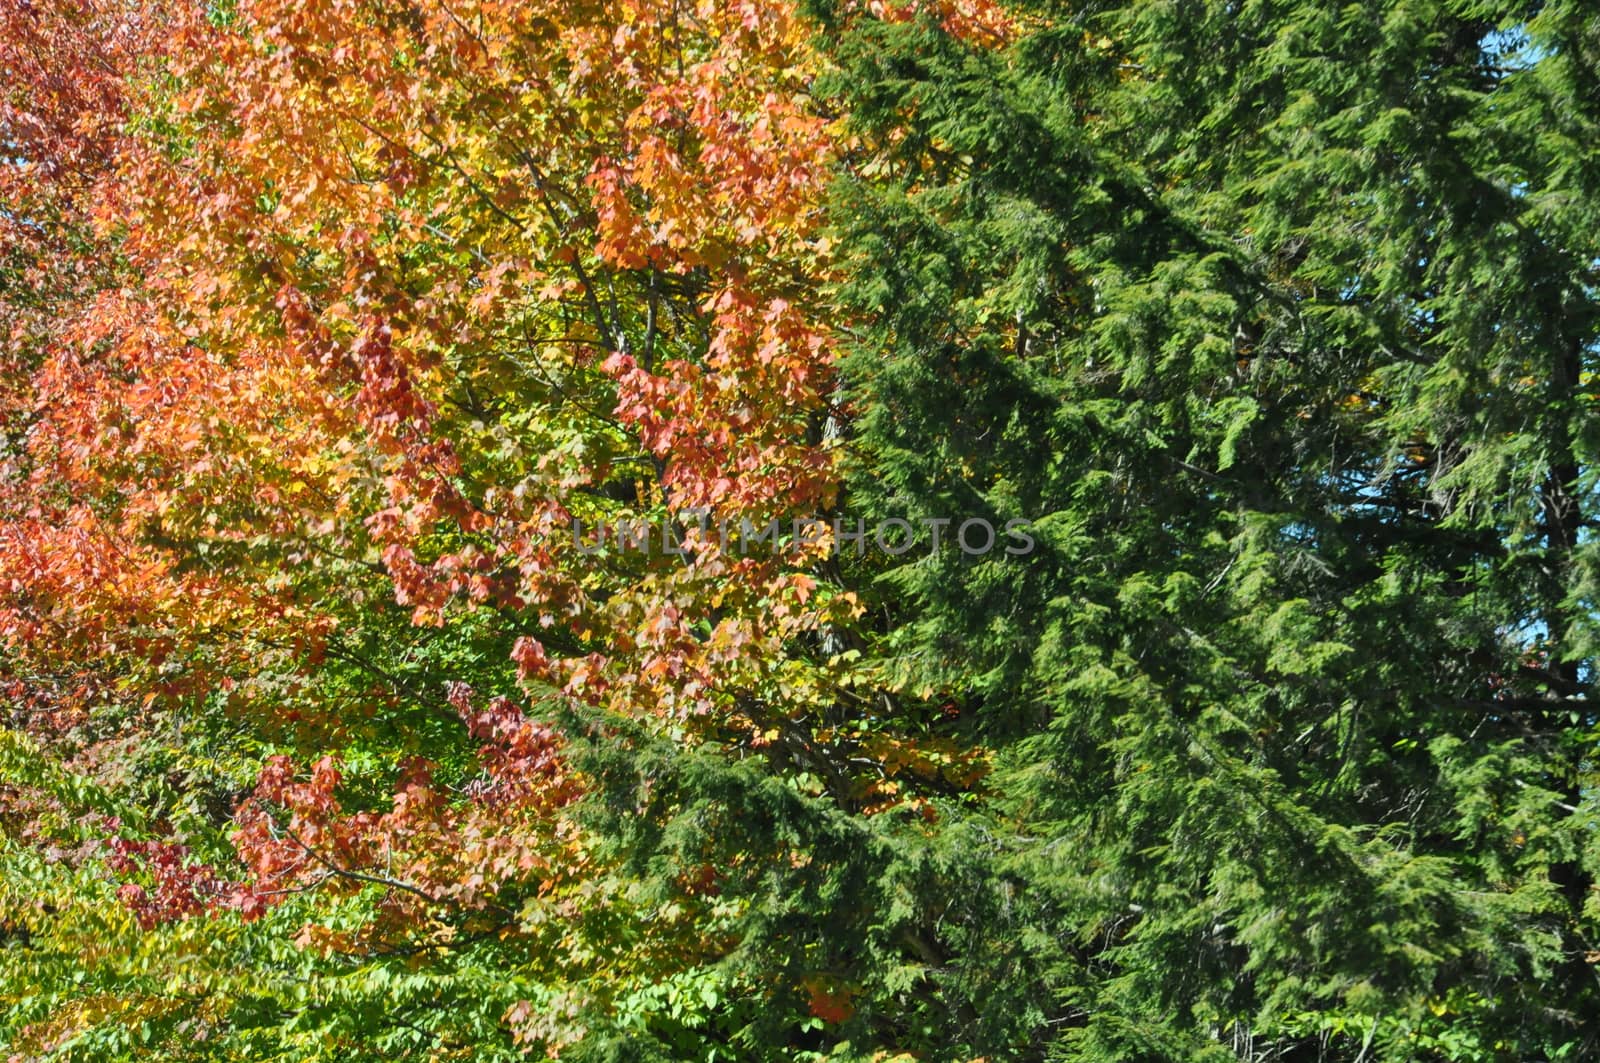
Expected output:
{"points": [[1279, 320]]}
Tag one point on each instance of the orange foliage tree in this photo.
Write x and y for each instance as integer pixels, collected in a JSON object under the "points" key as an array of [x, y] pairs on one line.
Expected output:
{"points": [[327, 328]]}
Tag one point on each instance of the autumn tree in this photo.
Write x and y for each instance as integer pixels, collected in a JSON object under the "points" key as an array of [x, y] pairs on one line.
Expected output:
{"points": [[329, 323]]}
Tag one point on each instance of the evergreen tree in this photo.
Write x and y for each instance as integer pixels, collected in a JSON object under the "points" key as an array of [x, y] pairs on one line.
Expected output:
{"points": [[1279, 320]]}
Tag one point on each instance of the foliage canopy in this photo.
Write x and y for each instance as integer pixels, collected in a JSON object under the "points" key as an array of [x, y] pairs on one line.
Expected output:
{"points": [[325, 327]]}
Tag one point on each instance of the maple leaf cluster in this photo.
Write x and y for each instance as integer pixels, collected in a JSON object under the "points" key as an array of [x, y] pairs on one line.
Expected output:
{"points": [[320, 326]]}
